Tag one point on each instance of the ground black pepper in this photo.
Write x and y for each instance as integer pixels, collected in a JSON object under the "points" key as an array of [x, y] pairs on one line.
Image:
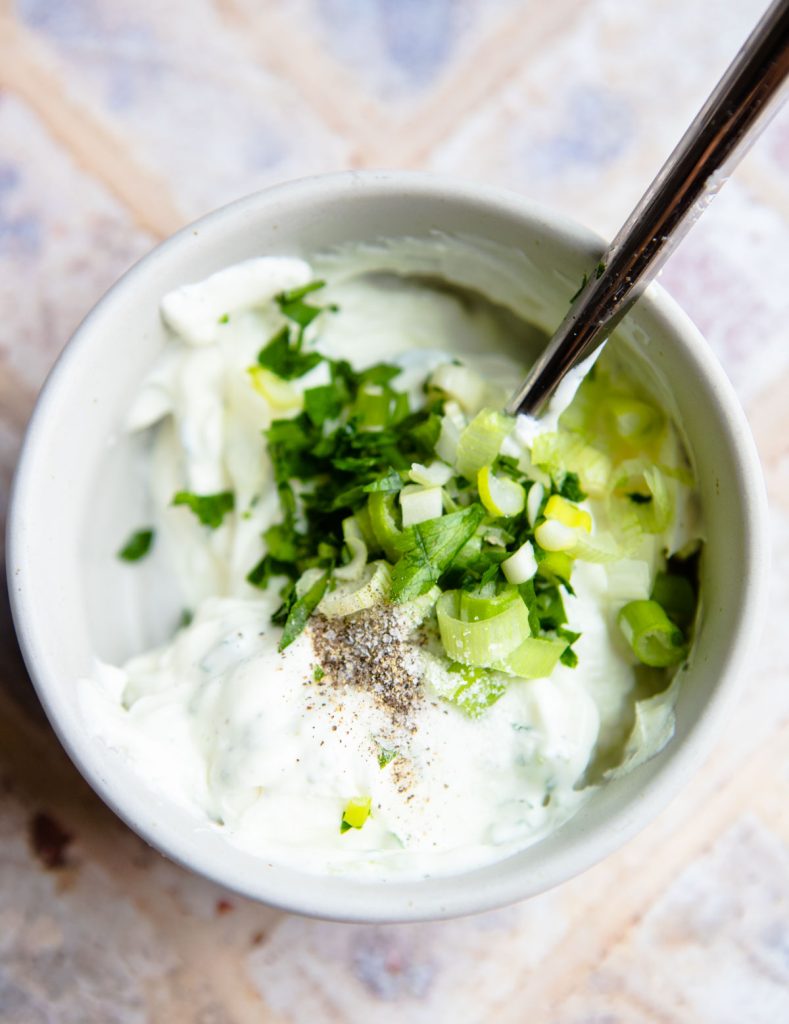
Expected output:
{"points": [[371, 650]]}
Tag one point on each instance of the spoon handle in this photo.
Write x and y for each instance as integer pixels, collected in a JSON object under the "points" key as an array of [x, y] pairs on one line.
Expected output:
{"points": [[720, 135]]}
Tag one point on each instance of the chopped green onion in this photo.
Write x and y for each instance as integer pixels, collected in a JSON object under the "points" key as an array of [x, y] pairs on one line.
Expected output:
{"points": [[559, 453], [381, 509], [350, 596], [534, 502], [419, 504], [363, 521], [501, 496], [637, 477], [520, 566], [654, 638], [635, 421], [534, 658], [354, 567], [555, 536], [483, 641], [556, 566], [435, 475], [564, 511], [480, 442], [355, 813], [373, 408], [677, 597], [600, 547], [453, 423]]}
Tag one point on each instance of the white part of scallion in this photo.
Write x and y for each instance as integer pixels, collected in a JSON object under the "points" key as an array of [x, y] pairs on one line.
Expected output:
{"points": [[354, 596], [419, 504], [353, 569], [533, 502], [435, 475], [521, 566], [453, 423], [554, 536]]}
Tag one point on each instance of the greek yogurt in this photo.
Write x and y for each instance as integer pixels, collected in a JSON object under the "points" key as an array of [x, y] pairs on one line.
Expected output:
{"points": [[254, 740]]}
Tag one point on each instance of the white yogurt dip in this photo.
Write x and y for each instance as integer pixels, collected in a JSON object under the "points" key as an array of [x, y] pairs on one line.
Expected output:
{"points": [[248, 737]]}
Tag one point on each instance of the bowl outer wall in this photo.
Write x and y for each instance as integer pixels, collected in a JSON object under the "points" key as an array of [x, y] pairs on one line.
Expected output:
{"points": [[62, 444]]}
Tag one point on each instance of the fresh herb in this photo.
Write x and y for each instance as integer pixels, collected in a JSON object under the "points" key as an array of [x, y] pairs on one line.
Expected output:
{"points": [[301, 609], [266, 569], [568, 656], [225, 318], [137, 546], [322, 403], [317, 674], [433, 545], [570, 487], [284, 358], [550, 608], [389, 483], [210, 509], [386, 756], [293, 306]]}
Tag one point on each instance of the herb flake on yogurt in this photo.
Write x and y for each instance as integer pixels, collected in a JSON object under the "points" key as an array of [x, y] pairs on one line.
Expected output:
{"points": [[420, 632]]}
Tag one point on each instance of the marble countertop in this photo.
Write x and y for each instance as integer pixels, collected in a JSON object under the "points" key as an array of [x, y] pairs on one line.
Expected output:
{"points": [[121, 121]]}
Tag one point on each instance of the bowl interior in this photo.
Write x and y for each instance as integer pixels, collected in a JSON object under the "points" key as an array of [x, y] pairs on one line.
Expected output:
{"points": [[79, 490]]}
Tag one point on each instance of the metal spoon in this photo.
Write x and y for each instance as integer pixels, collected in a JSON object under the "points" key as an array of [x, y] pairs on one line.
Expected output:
{"points": [[737, 110]]}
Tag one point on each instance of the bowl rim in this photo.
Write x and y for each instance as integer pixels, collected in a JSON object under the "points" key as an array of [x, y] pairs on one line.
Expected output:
{"points": [[658, 790]]}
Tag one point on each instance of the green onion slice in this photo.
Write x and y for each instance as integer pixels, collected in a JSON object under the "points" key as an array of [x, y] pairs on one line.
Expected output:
{"points": [[481, 632], [348, 597], [479, 443], [355, 813], [654, 638], [535, 658], [384, 525], [676, 596]]}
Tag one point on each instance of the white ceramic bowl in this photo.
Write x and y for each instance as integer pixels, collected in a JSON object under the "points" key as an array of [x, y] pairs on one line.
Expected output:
{"points": [[72, 501]]}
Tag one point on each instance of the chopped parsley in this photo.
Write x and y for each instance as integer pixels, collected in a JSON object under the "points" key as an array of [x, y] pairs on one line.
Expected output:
{"points": [[137, 546], [386, 756], [210, 509], [431, 548], [282, 357], [570, 487], [300, 609]]}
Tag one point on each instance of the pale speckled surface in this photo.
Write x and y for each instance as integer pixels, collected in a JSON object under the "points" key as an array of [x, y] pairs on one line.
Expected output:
{"points": [[119, 121]]}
